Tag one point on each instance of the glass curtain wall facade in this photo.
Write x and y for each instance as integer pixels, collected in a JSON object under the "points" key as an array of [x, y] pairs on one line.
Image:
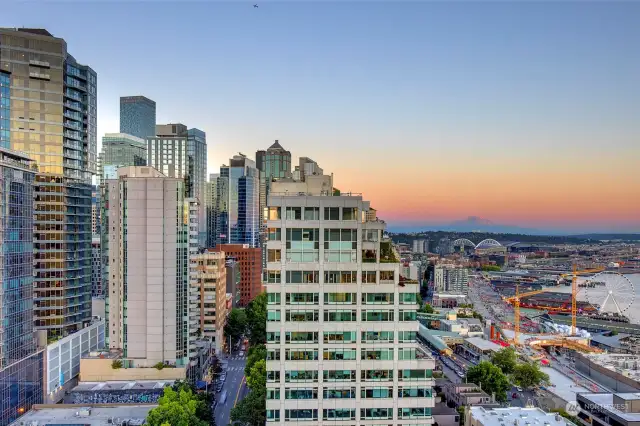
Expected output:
{"points": [[238, 204], [53, 120], [197, 176], [20, 362], [210, 205], [137, 116], [5, 107], [120, 150]]}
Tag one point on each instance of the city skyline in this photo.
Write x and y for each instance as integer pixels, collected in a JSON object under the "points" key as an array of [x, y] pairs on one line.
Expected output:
{"points": [[519, 113]]}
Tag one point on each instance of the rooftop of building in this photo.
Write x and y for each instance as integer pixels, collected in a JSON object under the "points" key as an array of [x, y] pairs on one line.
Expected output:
{"points": [[36, 31], [517, 416], [625, 364], [608, 403], [121, 385], [482, 344], [85, 415], [104, 354], [120, 137], [610, 341], [563, 386]]}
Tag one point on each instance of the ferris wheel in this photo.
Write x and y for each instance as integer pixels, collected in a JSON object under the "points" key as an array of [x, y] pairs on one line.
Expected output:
{"points": [[610, 292]]}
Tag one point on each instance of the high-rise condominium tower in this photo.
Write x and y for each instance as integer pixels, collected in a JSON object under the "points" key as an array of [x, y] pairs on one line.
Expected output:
{"points": [[238, 208], [182, 153], [210, 205], [53, 121], [341, 328], [209, 283], [149, 246], [137, 116]]}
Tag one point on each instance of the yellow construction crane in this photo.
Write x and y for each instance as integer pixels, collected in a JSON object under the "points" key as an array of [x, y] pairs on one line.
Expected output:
{"points": [[515, 300]]}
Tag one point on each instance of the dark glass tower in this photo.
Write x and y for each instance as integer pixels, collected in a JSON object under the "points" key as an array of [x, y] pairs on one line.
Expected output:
{"points": [[137, 116]]}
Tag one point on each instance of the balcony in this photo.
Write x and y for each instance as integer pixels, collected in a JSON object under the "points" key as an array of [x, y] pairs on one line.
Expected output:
{"points": [[42, 64], [39, 76], [388, 253]]}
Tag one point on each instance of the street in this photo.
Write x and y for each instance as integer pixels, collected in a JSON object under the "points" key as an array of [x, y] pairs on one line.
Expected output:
{"points": [[235, 386]]}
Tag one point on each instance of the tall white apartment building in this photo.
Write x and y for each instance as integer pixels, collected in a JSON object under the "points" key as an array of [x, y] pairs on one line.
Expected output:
{"points": [[152, 232], [341, 330]]}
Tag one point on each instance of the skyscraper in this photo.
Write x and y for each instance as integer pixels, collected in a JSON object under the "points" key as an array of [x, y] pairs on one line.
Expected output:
{"points": [[341, 330], [210, 205], [137, 116], [275, 162], [209, 282], [120, 150], [182, 153], [238, 208], [149, 250], [20, 362], [53, 114]]}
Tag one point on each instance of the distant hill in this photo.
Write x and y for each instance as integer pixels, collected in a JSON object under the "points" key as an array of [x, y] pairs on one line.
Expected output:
{"points": [[623, 237], [475, 223]]}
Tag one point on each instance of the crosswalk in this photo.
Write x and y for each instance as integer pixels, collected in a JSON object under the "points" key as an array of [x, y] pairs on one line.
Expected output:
{"points": [[235, 368], [235, 358]]}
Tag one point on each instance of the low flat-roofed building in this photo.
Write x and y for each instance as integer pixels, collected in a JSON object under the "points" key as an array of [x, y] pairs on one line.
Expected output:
{"points": [[117, 392], [478, 349], [609, 409], [618, 372], [468, 394], [481, 416], [444, 415], [85, 415]]}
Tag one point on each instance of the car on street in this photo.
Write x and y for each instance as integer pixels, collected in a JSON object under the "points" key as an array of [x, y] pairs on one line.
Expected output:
{"points": [[240, 353], [519, 388]]}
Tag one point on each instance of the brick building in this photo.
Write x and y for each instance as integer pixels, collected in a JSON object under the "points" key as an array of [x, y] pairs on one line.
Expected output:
{"points": [[250, 262]]}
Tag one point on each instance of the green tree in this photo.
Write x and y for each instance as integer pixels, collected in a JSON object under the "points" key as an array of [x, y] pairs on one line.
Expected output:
{"points": [[528, 375], [251, 411], [236, 324], [491, 268], [203, 410], [257, 378], [257, 319], [255, 354], [490, 379], [506, 359], [427, 309], [176, 409]]}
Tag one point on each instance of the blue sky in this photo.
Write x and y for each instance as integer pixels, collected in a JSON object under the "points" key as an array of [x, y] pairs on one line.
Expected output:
{"points": [[432, 95]]}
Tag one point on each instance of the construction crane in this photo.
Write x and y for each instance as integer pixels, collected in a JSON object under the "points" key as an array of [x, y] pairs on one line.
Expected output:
{"points": [[515, 300]]}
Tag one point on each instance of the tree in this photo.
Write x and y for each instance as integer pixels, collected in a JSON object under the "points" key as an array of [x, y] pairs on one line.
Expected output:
{"points": [[490, 379], [255, 354], [203, 409], [251, 411], [257, 378], [505, 359], [257, 319], [491, 268], [528, 375], [427, 309], [236, 324], [176, 409]]}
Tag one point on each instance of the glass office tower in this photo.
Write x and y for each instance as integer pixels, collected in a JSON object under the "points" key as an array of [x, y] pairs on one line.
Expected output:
{"points": [[20, 362], [120, 150], [238, 209], [5, 103], [53, 121], [137, 116], [275, 162]]}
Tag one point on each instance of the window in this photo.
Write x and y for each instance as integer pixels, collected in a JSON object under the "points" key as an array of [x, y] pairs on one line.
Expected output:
{"points": [[377, 354], [273, 376], [341, 316], [274, 213], [301, 337], [331, 213], [338, 414], [273, 277], [340, 298], [273, 356], [339, 354], [407, 315], [273, 255], [301, 415], [301, 376], [274, 234], [273, 298], [406, 336], [292, 393], [410, 375], [408, 299], [377, 298], [378, 315], [377, 336], [273, 316], [302, 298], [311, 213], [303, 244], [273, 336], [407, 353], [370, 235], [413, 413], [345, 393], [273, 393], [339, 337], [303, 277], [387, 277], [340, 245], [339, 375], [300, 355], [349, 213], [414, 392], [294, 213], [369, 277], [376, 375], [302, 316], [340, 277], [273, 415], [376, 413], [369, 393]]}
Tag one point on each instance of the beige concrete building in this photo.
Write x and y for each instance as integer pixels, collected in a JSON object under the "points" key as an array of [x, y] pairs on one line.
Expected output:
{"points": [[209, 281], [149, 243]]}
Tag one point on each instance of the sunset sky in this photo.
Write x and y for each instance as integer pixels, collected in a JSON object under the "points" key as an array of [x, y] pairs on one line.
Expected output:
{"points": [[526, 114]]}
